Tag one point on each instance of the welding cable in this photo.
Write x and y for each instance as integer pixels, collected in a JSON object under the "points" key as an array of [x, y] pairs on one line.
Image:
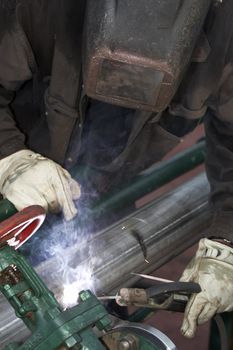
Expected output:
{"points": [[222, 331], [188, 289], [184, 288]]}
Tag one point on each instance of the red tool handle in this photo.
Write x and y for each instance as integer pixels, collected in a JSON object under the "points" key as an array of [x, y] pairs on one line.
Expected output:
{"points": [[16, 230]]}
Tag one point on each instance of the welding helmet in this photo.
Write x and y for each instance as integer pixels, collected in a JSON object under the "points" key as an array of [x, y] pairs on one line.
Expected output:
{"points": [[136, 52]]}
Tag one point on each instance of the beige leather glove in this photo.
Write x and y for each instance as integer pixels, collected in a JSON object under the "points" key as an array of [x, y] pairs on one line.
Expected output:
{"points": [[27, 178], [212, 268]]}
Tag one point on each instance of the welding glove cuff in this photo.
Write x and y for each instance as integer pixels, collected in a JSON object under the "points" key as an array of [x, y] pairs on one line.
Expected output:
{"points": [[212, 268], [27, 178]]}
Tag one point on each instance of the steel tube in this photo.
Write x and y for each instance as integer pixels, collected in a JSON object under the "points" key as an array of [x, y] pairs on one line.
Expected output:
{"points": [[168, 226]]}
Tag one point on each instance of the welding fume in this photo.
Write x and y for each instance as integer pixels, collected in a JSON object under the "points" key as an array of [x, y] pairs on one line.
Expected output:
{"points": [[93, 93]]}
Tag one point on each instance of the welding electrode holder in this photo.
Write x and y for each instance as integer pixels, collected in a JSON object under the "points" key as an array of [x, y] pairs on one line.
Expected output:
{"points": [[167, 296]]}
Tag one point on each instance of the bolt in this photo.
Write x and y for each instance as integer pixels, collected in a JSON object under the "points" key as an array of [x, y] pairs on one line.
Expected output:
{"points": [[129, 342], [72, 341], [84, 295], [124, 345]]}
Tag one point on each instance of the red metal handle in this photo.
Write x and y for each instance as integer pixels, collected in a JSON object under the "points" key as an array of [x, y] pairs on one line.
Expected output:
{"points": [[16, 230]]}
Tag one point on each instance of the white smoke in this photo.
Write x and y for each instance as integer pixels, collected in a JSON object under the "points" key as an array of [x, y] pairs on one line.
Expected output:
{"points": [[61, 242]]}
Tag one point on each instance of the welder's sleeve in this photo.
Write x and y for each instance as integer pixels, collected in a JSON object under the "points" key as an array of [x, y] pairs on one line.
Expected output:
{"points": [[219, 163], [14, 71]]}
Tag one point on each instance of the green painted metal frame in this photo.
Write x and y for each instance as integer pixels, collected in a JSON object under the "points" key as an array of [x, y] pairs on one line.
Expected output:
{"points": [[163, 173], [7, 209], [50, 325]]}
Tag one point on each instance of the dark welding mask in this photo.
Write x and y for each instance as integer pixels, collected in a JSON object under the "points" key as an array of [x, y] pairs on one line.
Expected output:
{"points": [[136, 51]]}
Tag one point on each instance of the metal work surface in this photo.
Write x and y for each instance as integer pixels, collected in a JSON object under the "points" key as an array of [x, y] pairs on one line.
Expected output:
{"points": [[135, 336], [159, 339], [166, 227]]}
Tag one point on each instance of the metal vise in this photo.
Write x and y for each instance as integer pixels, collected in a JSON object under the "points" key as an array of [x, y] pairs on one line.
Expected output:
{"points": [[51, 327]]}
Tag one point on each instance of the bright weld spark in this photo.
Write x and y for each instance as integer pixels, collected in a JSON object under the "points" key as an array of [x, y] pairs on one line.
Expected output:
{"points": [[70, 295], [82, 280], [74, 279]]}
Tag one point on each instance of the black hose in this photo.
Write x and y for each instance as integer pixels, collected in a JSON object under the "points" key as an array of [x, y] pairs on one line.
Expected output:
{"points": [[222, 331], [185, 288]]}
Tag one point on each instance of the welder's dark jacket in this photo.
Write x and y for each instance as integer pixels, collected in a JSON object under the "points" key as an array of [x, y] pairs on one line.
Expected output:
{"points": [[29, 33]]}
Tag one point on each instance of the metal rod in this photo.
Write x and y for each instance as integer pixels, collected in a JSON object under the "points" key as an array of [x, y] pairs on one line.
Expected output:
{"points": [[153, 278], [167, 226], [158, 176]]}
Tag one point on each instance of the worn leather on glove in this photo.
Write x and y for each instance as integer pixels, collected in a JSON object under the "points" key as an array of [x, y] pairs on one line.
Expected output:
{"points": [[212, 268], [27, 178]]}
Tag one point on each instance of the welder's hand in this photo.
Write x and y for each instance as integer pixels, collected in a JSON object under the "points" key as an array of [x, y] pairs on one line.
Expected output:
{"points": [[27, 178], [212, 268]]}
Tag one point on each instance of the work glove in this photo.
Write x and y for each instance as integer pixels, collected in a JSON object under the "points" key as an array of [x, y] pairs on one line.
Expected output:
{"points": [[27, 178], [212, 268]]}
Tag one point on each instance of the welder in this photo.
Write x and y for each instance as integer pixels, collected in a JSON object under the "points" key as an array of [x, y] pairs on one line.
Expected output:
{"points": [[60, 107]]}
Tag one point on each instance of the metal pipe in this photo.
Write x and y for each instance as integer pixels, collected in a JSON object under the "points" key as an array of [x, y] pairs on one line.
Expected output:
{"points": [[150, 180], [167, 227]]}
